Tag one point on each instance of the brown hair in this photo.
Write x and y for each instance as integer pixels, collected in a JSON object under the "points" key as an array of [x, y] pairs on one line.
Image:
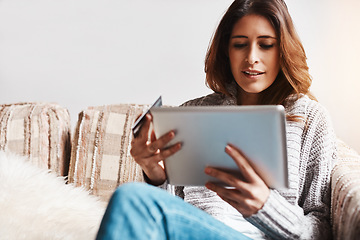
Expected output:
{"points": [[293, 77]]}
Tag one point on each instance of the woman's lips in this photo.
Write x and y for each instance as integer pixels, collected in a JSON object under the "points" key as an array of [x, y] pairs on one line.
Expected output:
{"points": [[252, 73]]}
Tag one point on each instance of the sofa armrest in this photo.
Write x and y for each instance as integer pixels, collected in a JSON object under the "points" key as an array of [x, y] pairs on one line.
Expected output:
{"points": [[345, 191], [100, 157], [39, 131]]}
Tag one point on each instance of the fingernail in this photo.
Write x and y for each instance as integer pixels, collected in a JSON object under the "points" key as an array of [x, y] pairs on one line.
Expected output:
{"points": [[228, 148], [207, 170]]}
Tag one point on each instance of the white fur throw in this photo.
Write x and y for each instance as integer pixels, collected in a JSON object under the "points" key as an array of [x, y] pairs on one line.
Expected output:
{"points": [[35, 204]]}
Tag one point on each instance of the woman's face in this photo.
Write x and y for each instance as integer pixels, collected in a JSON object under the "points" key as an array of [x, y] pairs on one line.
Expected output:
{"points": [[254, 53]]}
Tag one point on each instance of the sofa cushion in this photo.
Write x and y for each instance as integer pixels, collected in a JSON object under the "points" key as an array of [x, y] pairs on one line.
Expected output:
{"points": [[345, 184], [39, 131], [100, 157]]}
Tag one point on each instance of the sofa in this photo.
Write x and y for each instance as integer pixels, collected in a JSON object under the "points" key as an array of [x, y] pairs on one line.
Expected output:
{"points": [[93, 159]]}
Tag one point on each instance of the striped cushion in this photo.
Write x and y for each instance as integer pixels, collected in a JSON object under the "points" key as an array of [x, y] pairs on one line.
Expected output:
{"points": [[100, 158], [39, 131], [345, 184]]}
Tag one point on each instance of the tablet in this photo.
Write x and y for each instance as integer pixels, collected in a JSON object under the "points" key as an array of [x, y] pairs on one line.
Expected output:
{"points": [[204, 131]]}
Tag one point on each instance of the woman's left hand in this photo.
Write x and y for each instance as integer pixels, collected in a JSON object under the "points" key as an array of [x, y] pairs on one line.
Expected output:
{"points": [[249, 193]]}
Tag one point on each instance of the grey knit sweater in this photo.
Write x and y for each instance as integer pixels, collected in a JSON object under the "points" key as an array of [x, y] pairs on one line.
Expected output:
{"points": [[303, 210]]}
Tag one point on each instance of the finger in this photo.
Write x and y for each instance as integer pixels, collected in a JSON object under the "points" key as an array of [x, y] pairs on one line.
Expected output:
{"points": [[161, 142], [144, 130], [138, 144], [230, 194], [153, 136], [245, 205], [145, 150], [245, 168], [137, 117], [228, 178], [163, 154], [138, 124]]}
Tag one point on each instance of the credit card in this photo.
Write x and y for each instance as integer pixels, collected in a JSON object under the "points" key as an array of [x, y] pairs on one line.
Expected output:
{"points": [[140, 121]]}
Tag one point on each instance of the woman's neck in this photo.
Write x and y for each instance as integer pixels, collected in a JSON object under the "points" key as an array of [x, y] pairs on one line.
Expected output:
{"points": [[245, 98]]}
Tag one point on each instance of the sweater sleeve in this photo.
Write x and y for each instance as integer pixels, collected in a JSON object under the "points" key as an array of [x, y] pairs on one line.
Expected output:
{"points": [[309, 216]]}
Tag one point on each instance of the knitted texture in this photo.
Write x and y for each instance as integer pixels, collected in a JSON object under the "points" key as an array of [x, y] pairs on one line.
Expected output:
{"points": [[303, 210], [345, 201]]}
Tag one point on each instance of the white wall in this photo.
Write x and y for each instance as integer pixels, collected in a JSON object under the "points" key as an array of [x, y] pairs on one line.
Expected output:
{"points": [[330, 33], [93, 52]]}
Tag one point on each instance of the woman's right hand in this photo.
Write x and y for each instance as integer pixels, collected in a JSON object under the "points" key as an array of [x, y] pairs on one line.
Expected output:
{"points": [[149, 154]]}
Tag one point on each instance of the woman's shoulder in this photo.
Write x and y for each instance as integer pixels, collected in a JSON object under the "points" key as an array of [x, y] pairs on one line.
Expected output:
{"points": [[305, 106], [312, 111]]}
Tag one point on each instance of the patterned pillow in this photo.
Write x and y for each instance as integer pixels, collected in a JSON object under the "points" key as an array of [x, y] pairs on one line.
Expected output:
{"points": [[100, 157], [39, 131]]}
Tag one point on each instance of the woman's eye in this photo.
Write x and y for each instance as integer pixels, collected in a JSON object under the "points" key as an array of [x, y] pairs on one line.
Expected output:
{"points": [[266, 46], [239, 45]]}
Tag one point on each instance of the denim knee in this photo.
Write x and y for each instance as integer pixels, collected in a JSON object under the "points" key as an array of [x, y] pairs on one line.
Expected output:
{"points": [[129, 191]]}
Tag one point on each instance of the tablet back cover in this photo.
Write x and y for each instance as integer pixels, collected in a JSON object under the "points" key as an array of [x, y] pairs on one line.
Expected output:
{"points": [[258, 131]]}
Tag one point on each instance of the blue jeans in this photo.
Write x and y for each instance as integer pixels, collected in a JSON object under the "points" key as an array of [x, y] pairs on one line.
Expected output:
{"points": [[140, 211]]}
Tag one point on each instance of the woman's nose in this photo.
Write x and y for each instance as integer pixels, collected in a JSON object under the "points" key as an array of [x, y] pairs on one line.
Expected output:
{"points": [[252, 56]]}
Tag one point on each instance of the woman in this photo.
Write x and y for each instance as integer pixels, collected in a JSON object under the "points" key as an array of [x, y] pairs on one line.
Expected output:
{"points": [[255, 57]]}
